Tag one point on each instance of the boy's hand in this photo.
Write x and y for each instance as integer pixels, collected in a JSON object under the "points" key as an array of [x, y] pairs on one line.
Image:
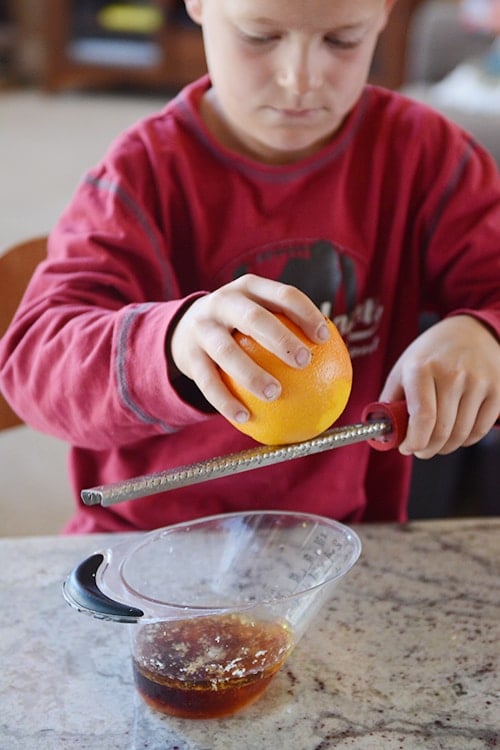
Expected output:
{"points": [[450, 378], [203, 339]]}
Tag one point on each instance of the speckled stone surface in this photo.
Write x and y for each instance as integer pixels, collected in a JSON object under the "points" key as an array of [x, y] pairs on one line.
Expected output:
{"points": [[405, 656]]}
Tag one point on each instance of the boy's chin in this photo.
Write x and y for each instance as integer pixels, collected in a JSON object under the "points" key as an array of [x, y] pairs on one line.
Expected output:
{"points": [[290, 152]]}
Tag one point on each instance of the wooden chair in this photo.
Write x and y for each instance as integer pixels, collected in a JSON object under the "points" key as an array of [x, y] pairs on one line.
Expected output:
{"points": [[16, 268]]}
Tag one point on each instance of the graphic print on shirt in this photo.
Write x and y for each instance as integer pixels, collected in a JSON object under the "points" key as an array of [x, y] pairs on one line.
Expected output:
{"points": [[328, 277]]}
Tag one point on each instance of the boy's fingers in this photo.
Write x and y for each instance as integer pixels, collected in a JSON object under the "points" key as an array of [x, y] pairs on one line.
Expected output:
{"points": [[276, 297], [207, 379]]}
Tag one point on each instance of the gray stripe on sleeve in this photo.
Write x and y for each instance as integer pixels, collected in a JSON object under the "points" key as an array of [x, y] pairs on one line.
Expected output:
{"points": [[143, 220], [121, 374]]}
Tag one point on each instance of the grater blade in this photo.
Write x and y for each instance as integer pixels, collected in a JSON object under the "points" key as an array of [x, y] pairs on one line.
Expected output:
{"points": [[233, 463]]}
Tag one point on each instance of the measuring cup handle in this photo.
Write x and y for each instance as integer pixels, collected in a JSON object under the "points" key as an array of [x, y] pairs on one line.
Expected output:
{"points": [[82, 592], [394, 411]]}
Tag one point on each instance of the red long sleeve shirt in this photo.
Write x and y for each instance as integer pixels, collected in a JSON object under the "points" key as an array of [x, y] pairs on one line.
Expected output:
{"points": [[399, 213]]}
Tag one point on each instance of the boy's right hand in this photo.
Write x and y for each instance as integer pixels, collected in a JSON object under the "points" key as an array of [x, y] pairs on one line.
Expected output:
{"points": [[202, 340], [450, 379]]}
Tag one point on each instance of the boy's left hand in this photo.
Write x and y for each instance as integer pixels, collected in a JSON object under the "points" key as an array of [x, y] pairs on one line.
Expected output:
{"points": [[450, 378]]}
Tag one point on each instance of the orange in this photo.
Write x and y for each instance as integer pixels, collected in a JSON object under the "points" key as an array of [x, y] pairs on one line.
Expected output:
{"points": [[311, 398]]}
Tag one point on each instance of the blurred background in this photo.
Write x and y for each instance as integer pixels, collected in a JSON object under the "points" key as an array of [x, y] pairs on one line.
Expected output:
{"points": [[74, 73]]}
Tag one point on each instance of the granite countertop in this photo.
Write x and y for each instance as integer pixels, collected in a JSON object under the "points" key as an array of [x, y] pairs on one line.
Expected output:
{"points": [[404, 656]]}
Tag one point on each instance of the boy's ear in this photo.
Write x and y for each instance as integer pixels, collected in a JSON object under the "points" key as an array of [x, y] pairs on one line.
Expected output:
{"points": [[193, 8]]}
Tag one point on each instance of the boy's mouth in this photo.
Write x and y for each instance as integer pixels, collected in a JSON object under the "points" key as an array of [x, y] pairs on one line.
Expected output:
{"points": [[306, 113], [298, 112]]}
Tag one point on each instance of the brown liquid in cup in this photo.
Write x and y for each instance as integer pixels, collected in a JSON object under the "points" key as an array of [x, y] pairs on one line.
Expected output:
{"points": [[208, 667]]}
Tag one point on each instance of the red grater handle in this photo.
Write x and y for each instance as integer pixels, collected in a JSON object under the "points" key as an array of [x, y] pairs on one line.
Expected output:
{"points": [[397, 414]]}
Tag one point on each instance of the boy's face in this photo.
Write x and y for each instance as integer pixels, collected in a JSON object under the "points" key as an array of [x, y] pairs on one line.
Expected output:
{"points": [[285, 73]]}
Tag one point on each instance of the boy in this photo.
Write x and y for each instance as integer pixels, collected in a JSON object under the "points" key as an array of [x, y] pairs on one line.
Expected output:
{"points": [[280, 183]]}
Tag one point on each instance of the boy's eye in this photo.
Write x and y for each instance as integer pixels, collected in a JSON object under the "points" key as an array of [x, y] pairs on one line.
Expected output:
{"points": [[259, 38], [339, 43]]}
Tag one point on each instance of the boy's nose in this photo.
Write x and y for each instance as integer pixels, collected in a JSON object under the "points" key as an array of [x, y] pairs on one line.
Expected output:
{"points": [[299, 71]]}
